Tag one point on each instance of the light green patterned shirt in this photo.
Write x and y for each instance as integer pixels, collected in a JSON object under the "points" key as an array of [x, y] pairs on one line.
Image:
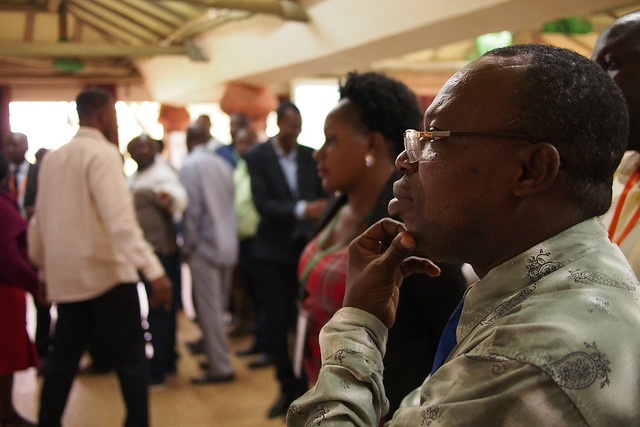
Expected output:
{"points": [[550, 337]]}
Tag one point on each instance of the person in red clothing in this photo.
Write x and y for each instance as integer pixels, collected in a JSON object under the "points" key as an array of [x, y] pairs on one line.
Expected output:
{"points": [[17, 276], [363, 136]]}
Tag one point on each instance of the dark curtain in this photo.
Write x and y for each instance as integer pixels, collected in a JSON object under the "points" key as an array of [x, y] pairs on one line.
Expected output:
{"points": [[5, 99]]}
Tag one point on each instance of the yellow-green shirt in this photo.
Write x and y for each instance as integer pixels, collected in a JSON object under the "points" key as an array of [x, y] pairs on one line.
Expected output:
{"points": [[247, 216]]}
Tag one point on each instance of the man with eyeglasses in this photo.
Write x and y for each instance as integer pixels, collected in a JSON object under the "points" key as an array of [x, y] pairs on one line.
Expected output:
{"points": [[510, 176], [617, 51]]}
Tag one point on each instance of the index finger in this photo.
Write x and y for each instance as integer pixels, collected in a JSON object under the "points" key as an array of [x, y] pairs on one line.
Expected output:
{"points": [[383, 231]]}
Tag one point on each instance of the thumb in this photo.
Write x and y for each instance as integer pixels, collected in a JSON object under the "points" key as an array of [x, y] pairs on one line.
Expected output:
{"points": [[401, 247]]}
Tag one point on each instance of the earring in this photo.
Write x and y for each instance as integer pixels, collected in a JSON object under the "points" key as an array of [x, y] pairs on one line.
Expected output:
{"points": [[369, 160]]}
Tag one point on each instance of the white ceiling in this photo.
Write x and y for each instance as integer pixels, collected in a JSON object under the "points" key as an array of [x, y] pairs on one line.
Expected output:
{"points": [[343, 35], [420, 41]]}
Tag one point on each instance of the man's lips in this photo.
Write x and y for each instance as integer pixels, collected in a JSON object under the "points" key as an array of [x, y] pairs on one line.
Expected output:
{"points": [[400, 201]]}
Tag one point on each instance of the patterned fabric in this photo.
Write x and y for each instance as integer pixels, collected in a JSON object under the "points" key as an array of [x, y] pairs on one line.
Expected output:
{"points": [[546, 338], [325, 284]]}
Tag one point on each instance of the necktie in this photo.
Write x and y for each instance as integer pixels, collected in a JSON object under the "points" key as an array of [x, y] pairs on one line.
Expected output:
{"points": [[14, 184], [448, 339]]}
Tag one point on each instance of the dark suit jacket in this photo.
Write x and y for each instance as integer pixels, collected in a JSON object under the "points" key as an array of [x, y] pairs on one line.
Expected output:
{"points": [[281, 236], [31, 188]]}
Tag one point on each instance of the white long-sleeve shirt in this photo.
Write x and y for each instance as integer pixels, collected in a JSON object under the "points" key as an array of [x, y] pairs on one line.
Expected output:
{"points": [[160, 177], [85, 236]]}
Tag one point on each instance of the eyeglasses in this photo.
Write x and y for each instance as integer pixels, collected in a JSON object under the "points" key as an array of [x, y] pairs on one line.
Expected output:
{"points": [[413, 139]]}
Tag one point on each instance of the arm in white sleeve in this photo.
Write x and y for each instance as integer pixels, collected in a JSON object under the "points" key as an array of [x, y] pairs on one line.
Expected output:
{"points": [[115, 208], [34, 242]]}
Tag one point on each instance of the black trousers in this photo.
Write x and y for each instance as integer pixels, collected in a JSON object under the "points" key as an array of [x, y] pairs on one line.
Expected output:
{"points": [[43, 329], [247, 266], [162, 322], [280, 292], [116, 316]]}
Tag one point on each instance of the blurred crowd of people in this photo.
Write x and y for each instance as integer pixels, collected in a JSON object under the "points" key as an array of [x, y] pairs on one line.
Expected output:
{"points": [[265, 228]]}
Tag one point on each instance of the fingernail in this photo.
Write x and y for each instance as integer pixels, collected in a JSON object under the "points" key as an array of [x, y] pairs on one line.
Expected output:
{"points": [[407, 240]]}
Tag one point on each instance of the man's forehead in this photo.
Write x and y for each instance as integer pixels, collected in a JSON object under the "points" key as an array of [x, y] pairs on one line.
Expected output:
{"points": [[144, 142], [17, 139], [624, 32], [487, 82]]}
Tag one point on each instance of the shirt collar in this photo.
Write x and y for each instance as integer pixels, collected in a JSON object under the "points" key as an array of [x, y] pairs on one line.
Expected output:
{"points": [[89, 132], [280, 152], [199, 148], [21, 168], [628, 165], [519, 274]]}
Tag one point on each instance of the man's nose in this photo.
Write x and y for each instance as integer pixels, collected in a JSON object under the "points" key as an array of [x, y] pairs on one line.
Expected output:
{"points": [[403, 164]]}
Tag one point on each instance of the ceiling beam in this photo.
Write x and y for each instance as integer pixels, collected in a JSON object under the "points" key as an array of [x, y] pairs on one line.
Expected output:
{"points": [[287, 9], [53, 5], [85, 49], [65, 80], [112, 21], [149, 22], [22, 7], [102, 26], [211, 19], [157, 11], [28, 27]]}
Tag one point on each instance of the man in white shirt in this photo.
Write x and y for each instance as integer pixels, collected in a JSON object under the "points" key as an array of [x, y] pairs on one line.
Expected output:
{"points": [[618, 53], [159, 200], [86, 242]]}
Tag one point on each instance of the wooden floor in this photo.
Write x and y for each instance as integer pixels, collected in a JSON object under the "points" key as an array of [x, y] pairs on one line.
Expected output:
{"points": [[96, 401]]}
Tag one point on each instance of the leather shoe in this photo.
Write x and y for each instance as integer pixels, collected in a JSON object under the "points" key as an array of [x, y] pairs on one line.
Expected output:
{"points": [[248, 351], [281, 406], [212, 379], [262, 360]]}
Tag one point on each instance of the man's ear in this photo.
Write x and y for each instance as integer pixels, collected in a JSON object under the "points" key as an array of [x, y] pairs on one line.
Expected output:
{"points": [[539, 165], [100, 116]]}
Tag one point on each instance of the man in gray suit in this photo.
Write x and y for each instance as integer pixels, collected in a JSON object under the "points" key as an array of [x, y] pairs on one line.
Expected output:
{"points": [[210, 247]]}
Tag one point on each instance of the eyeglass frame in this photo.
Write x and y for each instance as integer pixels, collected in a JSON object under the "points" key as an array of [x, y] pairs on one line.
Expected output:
{"points": [[412, 144]]}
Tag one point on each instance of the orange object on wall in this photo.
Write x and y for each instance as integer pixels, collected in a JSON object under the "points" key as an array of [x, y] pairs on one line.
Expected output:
{"points": [[256, 102], [174, 118]]}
